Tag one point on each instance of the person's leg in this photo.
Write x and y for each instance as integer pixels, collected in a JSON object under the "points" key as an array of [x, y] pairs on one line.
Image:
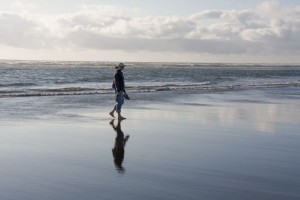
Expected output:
{"points": [[120, 117], [112, 112], [120, 102]]}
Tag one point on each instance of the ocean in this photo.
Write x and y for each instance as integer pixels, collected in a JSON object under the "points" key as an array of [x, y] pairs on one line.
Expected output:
{"points": [[46, 78]]}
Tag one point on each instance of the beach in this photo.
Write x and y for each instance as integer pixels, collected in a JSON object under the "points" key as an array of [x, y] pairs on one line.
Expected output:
{"points": [[211, 100], [214, 145]]}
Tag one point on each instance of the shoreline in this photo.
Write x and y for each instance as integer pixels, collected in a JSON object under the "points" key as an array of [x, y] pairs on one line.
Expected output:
{"points": [[77, 108]]}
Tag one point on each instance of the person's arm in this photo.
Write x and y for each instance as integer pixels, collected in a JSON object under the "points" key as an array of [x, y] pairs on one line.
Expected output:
{"points": [[118, 82], [124, 87]]}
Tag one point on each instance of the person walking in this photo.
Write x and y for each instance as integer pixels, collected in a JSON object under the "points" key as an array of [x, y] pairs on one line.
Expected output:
{"points": [[119, 87]]}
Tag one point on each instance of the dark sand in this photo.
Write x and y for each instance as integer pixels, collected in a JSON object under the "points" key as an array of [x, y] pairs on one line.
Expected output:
{"points": [[213, 146]]}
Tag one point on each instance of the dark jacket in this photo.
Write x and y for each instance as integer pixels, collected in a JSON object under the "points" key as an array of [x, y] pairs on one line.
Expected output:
{"points": [[119, 81]]}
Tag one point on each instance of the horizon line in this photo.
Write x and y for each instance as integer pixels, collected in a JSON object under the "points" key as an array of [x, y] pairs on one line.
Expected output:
{"points": [[180, 62]]}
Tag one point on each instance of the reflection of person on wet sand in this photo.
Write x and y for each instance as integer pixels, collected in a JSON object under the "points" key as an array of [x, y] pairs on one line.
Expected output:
{"points": [[119, 148]]}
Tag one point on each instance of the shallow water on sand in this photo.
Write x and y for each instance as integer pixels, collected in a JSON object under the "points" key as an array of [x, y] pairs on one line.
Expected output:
{"points": [[229, 145]]}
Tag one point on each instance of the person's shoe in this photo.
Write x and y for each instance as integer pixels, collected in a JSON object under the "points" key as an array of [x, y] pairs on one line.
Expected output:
{"points": [[121, 118], [112, 114]]}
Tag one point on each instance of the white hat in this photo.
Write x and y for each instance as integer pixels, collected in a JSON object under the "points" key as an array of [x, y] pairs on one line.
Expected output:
{"points": [[121, 65]]}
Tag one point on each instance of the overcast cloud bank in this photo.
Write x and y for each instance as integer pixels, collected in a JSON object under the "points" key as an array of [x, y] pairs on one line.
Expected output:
{"points": [[269, 28]]}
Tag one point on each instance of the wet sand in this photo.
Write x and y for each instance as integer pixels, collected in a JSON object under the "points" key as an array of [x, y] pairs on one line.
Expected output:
{"points": [[230, 145]]}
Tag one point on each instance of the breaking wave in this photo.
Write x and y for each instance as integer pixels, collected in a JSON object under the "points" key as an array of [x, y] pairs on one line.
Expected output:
{"points": [[131, 88]]}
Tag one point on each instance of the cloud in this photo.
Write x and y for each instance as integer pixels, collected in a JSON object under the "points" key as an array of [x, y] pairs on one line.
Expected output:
{"points": [[19, 31], [268, 28], [20, 6], [208, 14]]}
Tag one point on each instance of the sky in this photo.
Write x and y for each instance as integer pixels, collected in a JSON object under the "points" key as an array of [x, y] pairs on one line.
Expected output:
{"points": [[151, 31]]}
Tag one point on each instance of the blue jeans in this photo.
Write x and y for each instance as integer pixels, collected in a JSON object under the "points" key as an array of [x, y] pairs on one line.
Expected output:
{"points": [[120, 101]]}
